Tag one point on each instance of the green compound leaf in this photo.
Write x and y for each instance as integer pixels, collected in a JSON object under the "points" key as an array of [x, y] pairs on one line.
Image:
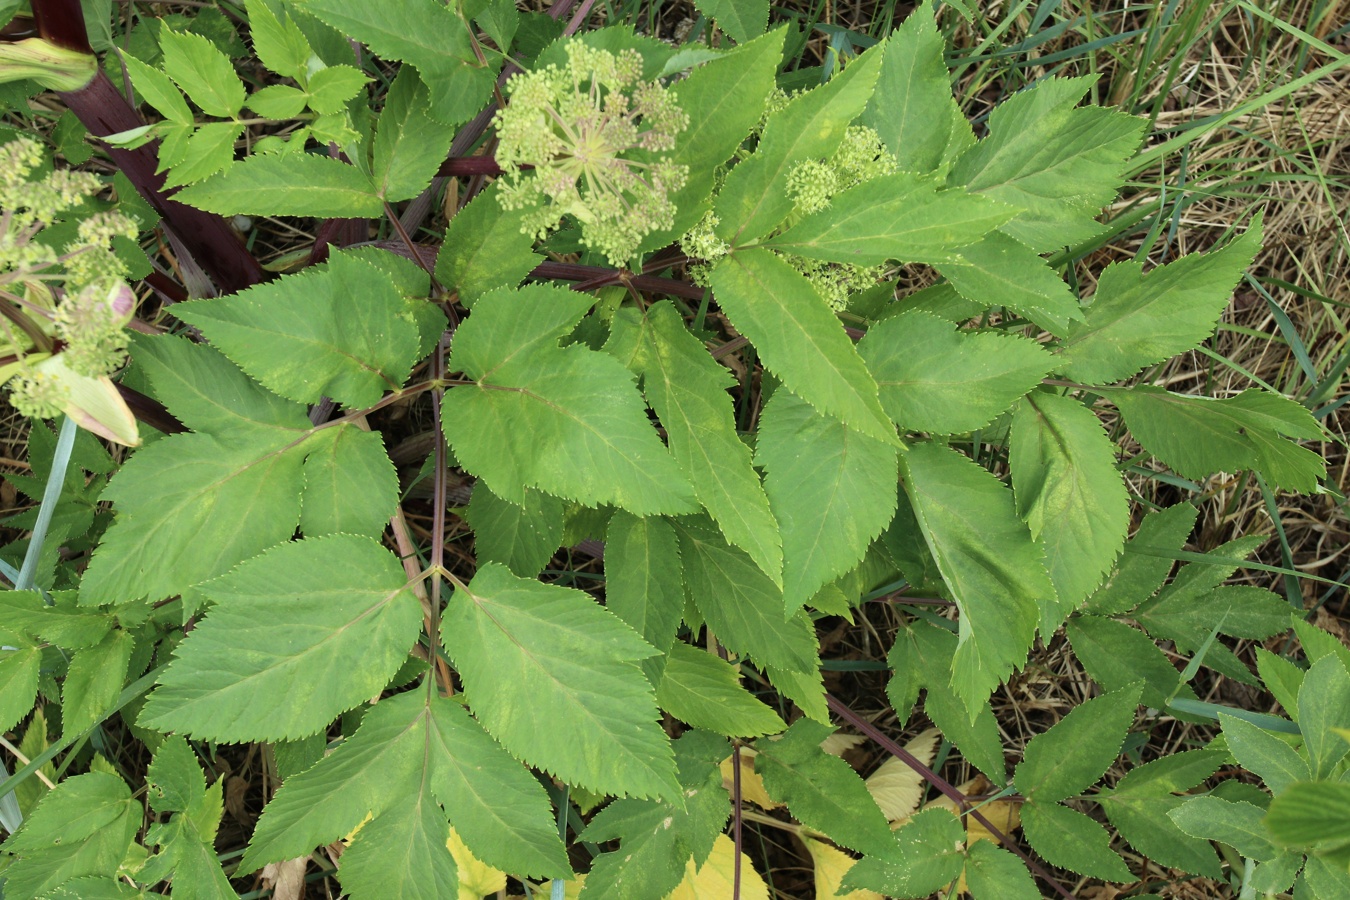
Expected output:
{"points": [[1058, 164], [341, 332], [484, 248], [203, 72], [175, 779], [706, 692], [1314, 815], [993, 873], [498, 807], [1137, 319], [799, 338], [19, 671], [659, 838], [1323, 708], [569, 421], [1070, 494], [821, 790], [351, 486], [1116, 655], [1137, 575], [81, 828], [208, 150], [643, 582], [913, 109], [925, 858], [740, 19], [65, 624], [1072, 755], [742, 606], [688, 390], [281, 654], [935, 378], [724, 100], [1198, 436], [1073, 841], [1139, 803], [93, 682], [755, 198], [409, 146], [402, 853], [522, 538], [427, 34], [540, 661], [330, 89], [1239, 825], [895, 217], [832, 489], [293, 185], [278, 41], [158, 91], [180, 502], [986, 557], [1002, 271]]}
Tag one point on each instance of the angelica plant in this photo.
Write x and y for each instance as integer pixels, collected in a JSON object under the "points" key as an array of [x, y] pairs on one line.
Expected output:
{"points": [[577, 126]]}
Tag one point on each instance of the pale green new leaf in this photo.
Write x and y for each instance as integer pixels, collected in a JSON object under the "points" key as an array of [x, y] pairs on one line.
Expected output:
{"points": [[330, 89], [293, 185], [799, 338], [19, 671], [926, 857], [1002, 271], [1058, 164], [1239, 825], [988, 560], [900, 217], [402, 853], [409, 146], [207, 151], [1137, 319], [93, 682], [935, 378], [567, 420], [698, 688], [539, 661], [741, 605], [282, 653], [350, 485], [821, 790], [1073, 754], [724, 99], [158, 90], [203, 72], [643, 582], [1263, 754], [1071, 840], [755, 198], [832, 489], [688, 390], [740, 19], [341, 331], [83, 827], [913, 109], [521, 537], [484, 248], [180, 502], [207, 392], [278, 42], [1070, 494], [1198, 436], [993, 873], [369, 772], [277, 101], [1138, 575], [1323, 707]]}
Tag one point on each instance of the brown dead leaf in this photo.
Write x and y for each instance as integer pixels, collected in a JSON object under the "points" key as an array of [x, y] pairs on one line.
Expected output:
{"points": [[286, 879]]}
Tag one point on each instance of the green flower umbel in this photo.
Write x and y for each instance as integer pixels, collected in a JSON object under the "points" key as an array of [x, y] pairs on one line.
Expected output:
{"points": [[590, 130]]}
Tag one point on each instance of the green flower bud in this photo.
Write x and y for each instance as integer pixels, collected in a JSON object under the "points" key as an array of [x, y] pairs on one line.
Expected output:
{"points": [[55, 68]]}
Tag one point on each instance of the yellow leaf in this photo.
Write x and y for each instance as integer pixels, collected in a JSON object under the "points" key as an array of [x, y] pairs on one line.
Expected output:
{"points": [[359, 825], [476, 879], [839, 743], [1005, 815], [752, 786], [831, 866], [895, 786], [715, 879]]}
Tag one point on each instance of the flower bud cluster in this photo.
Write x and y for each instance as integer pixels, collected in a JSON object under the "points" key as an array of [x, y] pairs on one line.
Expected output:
{"points": [[590, 130]]}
